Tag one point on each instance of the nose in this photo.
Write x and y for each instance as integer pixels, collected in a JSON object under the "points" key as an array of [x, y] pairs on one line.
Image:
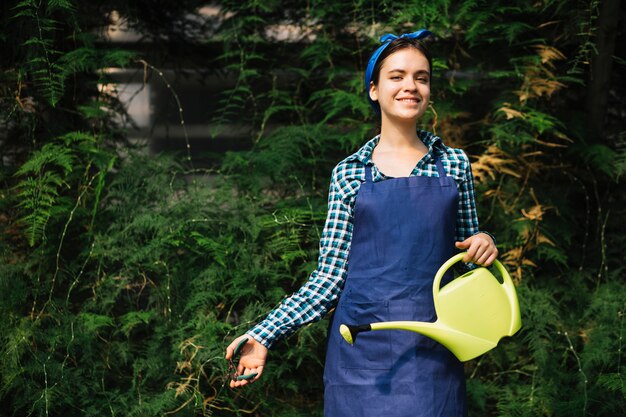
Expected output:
{"points": [[410, 84]]}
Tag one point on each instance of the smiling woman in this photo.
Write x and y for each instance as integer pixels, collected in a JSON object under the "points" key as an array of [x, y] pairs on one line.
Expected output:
{"points": [[402, 93], [403, 88], [398, 209], [389, 48]]}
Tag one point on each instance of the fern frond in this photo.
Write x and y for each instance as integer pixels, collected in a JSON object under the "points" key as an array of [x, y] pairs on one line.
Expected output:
{"points": [[38, 196], [66, 5], [92, 322], [49, 154], [46, 172], [94, 110], [50, 81], [614, 382], [133, 319], [77, 136]]}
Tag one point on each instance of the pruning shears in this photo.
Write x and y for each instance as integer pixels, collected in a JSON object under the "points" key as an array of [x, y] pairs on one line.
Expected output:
{"points": [[232, 366]]}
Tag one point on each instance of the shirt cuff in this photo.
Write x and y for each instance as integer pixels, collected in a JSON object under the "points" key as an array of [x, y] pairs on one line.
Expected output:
{"points": [[261, 335]]}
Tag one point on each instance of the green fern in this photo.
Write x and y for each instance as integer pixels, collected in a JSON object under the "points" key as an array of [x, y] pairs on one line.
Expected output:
{"points": [[46, 73], [46, 173], [613, 382]]}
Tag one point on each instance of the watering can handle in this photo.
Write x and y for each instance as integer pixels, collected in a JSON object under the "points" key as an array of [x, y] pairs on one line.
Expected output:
{"points": [[507, 281]]}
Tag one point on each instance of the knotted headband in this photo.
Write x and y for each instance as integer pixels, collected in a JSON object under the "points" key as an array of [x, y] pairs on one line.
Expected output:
{"points": [[386, 40]]}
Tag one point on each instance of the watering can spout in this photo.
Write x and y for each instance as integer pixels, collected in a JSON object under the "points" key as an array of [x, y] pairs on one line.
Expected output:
{"points": [[474, 312], [464, 346]]}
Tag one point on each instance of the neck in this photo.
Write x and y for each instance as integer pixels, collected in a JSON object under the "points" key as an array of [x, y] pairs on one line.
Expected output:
{"points": [[398, 135]]}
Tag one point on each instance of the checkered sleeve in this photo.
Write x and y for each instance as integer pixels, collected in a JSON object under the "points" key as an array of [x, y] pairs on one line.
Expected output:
{"points": [[467, 217], [319, 294]]}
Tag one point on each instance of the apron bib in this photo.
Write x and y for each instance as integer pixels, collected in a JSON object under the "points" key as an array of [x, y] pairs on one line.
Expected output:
{"points": [[403, 232]]}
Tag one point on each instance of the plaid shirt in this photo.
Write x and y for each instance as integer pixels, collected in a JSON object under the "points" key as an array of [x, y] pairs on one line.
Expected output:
{"points": [[320, 293]]}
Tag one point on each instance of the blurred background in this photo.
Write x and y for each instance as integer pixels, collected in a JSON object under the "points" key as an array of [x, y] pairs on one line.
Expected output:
{"points": [[164, 170]]}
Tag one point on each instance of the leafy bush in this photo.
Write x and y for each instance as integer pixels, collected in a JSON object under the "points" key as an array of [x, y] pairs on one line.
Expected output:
{"points": [[123, 276]]}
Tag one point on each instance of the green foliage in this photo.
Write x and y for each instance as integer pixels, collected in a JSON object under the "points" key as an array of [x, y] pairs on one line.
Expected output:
{"points": [[123, 276], [48, 75]]}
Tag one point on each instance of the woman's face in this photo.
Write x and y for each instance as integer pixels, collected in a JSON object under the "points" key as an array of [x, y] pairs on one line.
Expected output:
{"points": [[403, 89]]}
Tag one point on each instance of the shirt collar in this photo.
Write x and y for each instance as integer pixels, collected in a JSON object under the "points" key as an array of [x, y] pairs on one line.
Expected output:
{"points": [[434, 143]]}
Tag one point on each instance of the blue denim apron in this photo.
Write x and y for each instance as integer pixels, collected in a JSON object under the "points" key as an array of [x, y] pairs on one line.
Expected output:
{"points": [[403, 232]]}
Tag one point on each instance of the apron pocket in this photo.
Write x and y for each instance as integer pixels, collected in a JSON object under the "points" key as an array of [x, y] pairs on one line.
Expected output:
{"points": [[372, 350]]}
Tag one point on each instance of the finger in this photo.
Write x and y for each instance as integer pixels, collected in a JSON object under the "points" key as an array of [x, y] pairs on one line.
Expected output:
{"points": [[237, 384], [479, 256], [231, 348], [468, 254], [229, 351], [240, 369], [251, 375], [247, 371], [259, 372], [492, 258], [486, 254], [234, 383], [471, 253], [481, 249], [463, 244], [482, 259], [243, 381]]}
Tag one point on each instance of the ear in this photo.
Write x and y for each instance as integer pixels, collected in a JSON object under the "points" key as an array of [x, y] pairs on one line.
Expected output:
{"points": [[373, 91]]}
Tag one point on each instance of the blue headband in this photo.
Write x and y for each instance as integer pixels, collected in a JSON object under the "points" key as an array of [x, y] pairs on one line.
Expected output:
{"points": [[386, 40]]}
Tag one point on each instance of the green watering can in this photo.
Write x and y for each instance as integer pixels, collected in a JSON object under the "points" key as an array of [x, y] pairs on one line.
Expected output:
{"points": [[474, 311]]}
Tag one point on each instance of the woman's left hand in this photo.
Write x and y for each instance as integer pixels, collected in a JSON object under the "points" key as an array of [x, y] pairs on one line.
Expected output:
{"points": [[480, 248]]}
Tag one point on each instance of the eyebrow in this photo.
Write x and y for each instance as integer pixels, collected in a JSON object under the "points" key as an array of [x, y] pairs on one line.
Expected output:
{"points": [[404, 72]]}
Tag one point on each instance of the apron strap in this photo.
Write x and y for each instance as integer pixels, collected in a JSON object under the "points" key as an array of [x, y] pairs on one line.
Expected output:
{"points": [[440, 171], [368, 173]]}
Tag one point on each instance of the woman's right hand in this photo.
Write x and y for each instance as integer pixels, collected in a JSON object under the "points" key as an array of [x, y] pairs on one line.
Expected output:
{"points": [[252, 359]]}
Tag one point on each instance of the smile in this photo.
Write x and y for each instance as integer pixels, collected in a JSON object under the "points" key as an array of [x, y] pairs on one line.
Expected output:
{"points": [[409, 100]]}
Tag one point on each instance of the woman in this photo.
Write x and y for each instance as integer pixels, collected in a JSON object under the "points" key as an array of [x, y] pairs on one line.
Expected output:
{"points": [[397, 208]]}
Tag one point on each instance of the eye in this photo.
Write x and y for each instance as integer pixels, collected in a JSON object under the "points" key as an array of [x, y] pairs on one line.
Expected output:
{"points": [[395, 77]]}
